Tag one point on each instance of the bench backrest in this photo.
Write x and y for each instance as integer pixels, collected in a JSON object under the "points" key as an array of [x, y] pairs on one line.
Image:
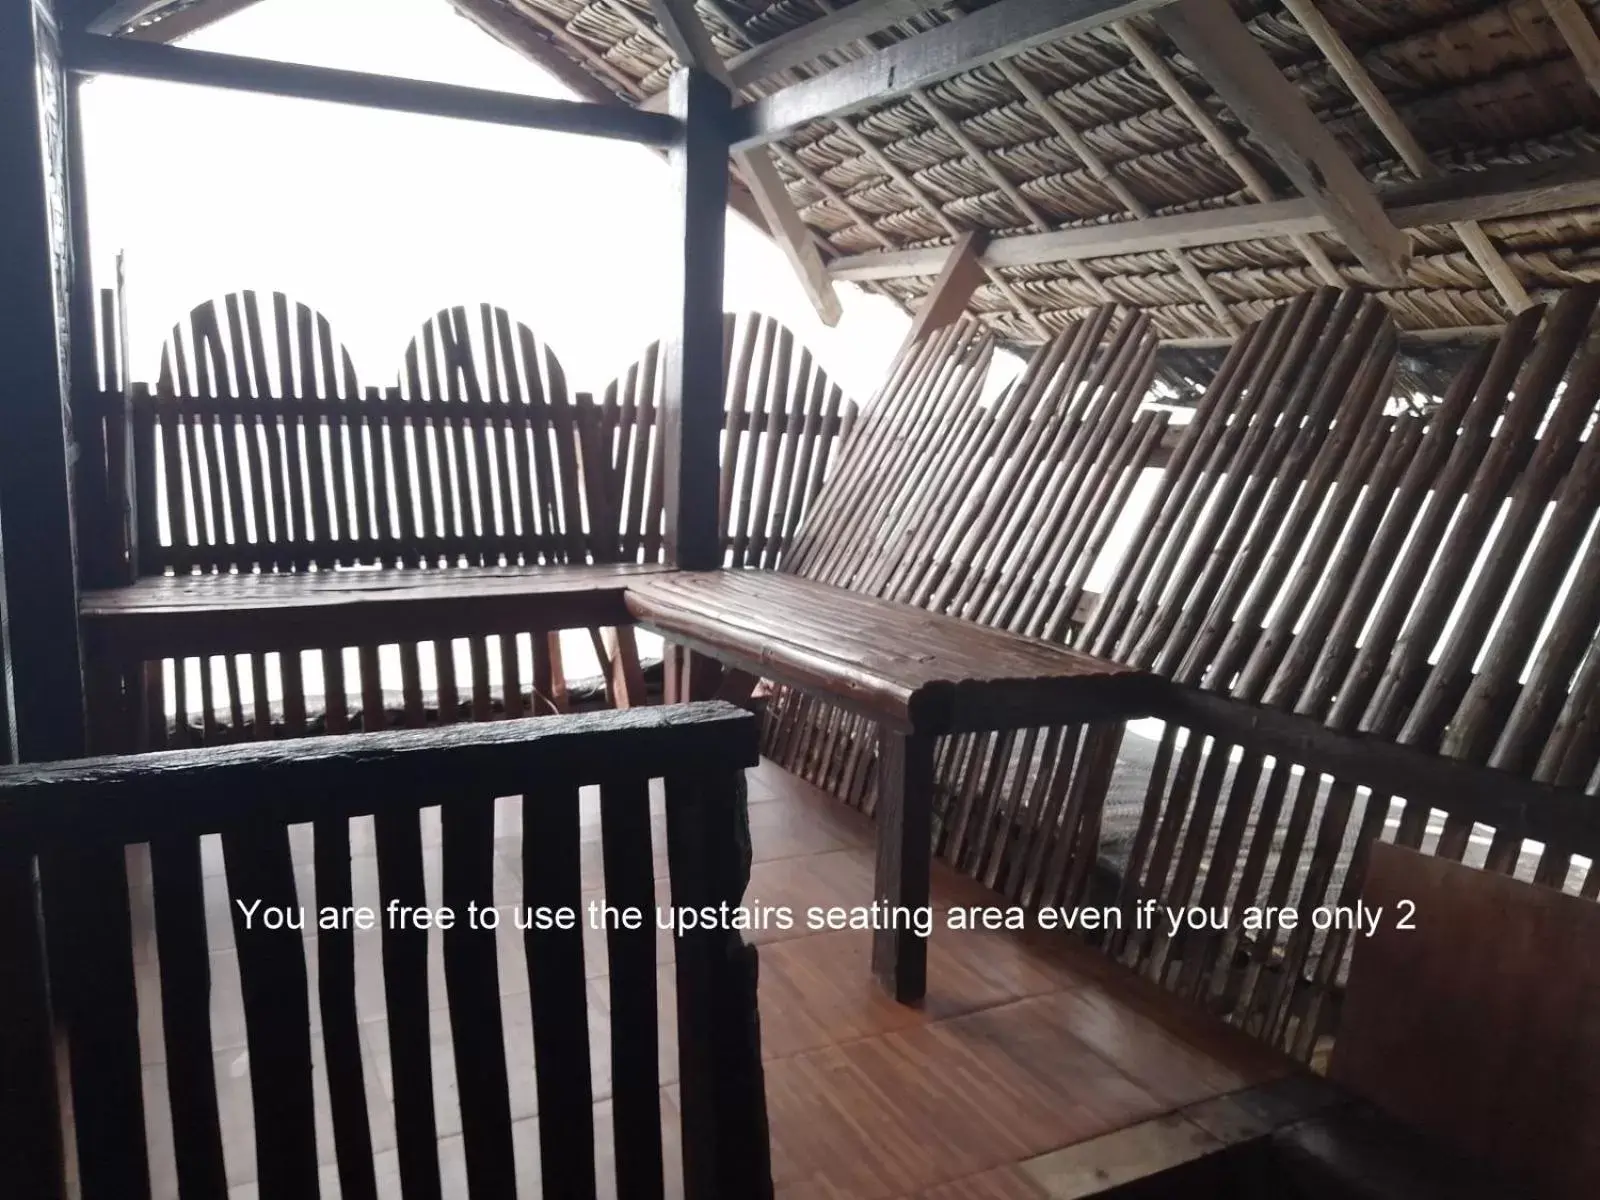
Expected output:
{"points": [[343, 826], [259, 448]]}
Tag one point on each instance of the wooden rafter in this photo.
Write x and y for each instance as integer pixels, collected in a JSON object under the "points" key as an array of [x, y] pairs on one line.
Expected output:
{"points": [[828, 33], [1577, 29], [999, 31], [687, 37], [1238, 68], [1041, 104], [1156, 67], [1384, 116], [177, 23], [893, 170], [89, 54], [947, 299], [1030, 212], [1524, 189]]}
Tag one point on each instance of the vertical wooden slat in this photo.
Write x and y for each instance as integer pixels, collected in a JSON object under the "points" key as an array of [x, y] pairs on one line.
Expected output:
{"points": [[631, 958], [341, 1031], [31, 1158], [92, 975], [272, 974], [185, 960], [472, 986], [551, 880], [398, 837], [724, 1121]]}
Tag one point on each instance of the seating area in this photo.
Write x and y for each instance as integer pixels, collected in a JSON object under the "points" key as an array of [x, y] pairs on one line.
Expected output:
{"points": [[1101, 760]]}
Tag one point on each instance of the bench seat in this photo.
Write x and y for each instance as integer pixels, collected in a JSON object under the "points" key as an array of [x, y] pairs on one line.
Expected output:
{"points": [[910, 670], [919, 675], [169, 616]]}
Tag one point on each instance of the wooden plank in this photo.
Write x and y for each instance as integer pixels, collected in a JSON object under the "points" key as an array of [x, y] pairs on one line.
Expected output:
{"points": [[1237, 66], [162, 616], [336, 995], [91, 54], [178, 895], [1494, 193], [398, 839], [472, 985], [725, 1141], [961, 276], [552, 880], [691, 409], [999, 31], [145, 20], [891, 661], [829, 32], [1376, 105], [631, 961], [272, 974], [1509, 1077]]}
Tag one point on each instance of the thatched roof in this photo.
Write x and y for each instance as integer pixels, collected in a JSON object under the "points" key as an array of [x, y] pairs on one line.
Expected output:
{"points": [[1477, 84]]}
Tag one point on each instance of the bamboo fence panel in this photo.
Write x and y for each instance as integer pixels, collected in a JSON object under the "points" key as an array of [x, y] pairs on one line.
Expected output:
{"points": [[993, 512]]}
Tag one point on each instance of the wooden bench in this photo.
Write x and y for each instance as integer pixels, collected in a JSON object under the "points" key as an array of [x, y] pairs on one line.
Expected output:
{"points": [[918, 675], [258, 499]]}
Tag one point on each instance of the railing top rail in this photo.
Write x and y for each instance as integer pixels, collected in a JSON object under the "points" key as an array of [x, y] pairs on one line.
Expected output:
{"points": [[131, 798]]}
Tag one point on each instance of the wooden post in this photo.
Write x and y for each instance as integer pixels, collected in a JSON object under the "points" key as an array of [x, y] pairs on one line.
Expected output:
{"points": [[905, 850], [691, 397], [40, 616], [85, 894]]}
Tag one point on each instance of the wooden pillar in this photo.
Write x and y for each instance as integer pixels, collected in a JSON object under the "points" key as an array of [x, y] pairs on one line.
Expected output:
{"points": [[691, 397], [40, 615], [42, 683]]}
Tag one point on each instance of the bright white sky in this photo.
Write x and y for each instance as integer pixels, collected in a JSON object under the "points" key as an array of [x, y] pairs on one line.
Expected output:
{"points": [[381, 219]]}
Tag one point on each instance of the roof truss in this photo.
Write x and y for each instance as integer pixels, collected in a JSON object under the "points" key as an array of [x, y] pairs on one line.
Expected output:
{"points": [[1497, 193], [1211, 36], [1001, 30], [687, 36]]}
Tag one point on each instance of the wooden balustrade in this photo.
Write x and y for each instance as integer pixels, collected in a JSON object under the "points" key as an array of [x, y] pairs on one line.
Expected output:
{"points": [[73, 820]]}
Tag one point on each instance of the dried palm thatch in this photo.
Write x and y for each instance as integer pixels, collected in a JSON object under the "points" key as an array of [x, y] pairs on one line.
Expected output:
{"points": [[1128, 127]]}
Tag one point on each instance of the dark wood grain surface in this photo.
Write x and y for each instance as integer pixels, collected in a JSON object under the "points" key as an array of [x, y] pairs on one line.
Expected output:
{"points": [[912, 669]]}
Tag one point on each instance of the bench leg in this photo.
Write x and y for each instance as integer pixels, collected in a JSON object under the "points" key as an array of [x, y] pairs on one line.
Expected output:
{"points": [[905, 851]]}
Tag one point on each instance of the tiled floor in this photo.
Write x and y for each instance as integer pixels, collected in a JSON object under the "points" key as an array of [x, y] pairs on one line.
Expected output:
{"points": [[1023, 1048]]}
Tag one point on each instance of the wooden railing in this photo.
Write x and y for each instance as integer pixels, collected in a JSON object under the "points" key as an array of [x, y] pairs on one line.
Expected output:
{"points": [[63, 833]]}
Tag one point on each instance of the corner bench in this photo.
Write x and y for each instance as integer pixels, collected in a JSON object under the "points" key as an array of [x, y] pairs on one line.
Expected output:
{"points": [[918, 675]]}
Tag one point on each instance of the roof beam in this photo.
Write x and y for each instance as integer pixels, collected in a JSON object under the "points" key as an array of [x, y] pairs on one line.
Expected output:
{"points": [[809, 42], [1239, 70], [91, 54], [1206, 126], [686, 35], [999, 31], [1383, 115], [116, 18], [1524, 189]]}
